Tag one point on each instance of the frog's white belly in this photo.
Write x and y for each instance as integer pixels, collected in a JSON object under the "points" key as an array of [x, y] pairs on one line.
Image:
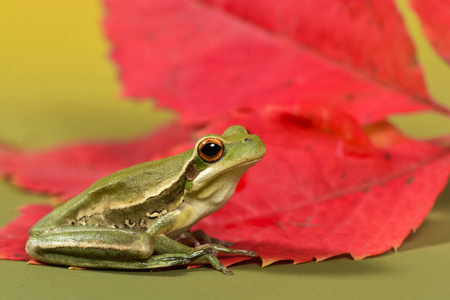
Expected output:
{"points": [[199, 205]]}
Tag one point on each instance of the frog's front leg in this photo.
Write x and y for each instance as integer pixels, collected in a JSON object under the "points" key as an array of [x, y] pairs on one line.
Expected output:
{"points": [[105, 248]]}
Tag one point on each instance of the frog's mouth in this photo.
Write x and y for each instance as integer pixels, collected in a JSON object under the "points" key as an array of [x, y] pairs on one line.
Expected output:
{"points": [[207, 176]]}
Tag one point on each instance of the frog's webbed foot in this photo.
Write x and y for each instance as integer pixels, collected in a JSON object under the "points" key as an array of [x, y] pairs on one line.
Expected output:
{"points": [[214, 262], [212, 257], [174, 253], [199, 237]]}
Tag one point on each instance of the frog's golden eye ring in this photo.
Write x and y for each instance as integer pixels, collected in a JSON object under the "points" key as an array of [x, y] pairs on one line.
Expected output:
{"points": [[210, 149]]}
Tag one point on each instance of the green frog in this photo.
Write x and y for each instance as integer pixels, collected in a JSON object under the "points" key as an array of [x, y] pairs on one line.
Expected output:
{"points": [[133, 219]]}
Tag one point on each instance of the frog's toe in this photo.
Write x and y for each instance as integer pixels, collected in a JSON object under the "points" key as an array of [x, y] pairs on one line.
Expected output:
{"points": [[200, 251], [227, 271], [241, 252], [225, 243], [222, 249], [221, 243], [212, 260], [249, 253], [178, 261]]}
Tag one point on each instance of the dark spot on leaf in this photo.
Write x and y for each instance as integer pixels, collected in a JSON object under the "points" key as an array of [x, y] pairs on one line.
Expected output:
{"points": [[282, 226], [387, 156], [289, 83], [305, 225], [374, 69], [301, 121], [350, 97], [409, 180], [149, 35], [414, 61]]}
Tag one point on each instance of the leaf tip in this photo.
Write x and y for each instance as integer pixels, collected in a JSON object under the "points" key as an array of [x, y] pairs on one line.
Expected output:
{"points": [[267, 262], [358, 257]]}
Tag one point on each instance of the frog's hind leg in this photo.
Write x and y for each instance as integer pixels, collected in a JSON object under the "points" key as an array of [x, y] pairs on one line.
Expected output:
{"points": [[102, 248], [155, 261]]}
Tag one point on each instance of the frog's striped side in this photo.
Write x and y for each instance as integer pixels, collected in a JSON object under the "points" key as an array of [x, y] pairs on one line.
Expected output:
{"points": [[130, 198]]}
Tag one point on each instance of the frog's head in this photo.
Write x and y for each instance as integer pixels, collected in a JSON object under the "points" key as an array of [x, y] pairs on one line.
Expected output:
{"points": [[220, 161]]}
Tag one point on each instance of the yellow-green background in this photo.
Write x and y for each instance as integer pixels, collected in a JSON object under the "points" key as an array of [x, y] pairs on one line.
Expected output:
{"points": [[57, 85]]}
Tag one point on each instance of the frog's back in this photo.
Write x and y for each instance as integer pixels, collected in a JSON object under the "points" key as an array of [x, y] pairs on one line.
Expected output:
{"points": [[145, 192]]}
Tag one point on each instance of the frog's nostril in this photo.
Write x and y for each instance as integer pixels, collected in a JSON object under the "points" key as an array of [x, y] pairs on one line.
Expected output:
{"points": [[246, 139]]}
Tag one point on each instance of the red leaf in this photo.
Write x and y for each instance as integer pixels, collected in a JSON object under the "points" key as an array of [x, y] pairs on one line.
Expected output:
{"points": [[320, 191], [435, 17], [314, 196], [325, 187], [14, 235], [205, 58]]}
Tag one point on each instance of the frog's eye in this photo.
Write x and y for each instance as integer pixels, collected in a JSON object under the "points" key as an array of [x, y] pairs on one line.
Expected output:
{"points": [[210, 149]]}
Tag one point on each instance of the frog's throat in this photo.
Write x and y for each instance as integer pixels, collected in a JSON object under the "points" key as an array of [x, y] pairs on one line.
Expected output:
{"points": [[207, 176]]}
